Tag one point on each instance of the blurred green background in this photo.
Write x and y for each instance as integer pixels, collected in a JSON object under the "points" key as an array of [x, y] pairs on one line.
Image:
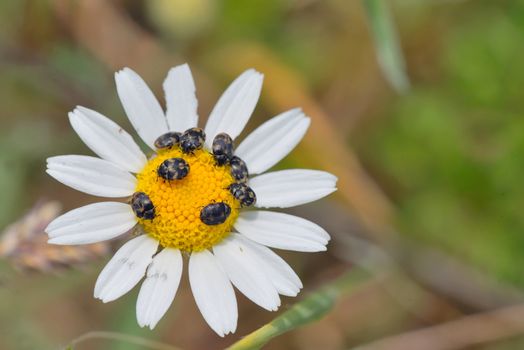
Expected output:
{"points": [[446, 150]]}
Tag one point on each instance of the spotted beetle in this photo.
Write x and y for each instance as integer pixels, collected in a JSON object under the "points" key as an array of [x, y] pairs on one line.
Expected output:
{"points": [[173, 168], [142, 206], [222, 148], [238, 169], [168, 140], [243, 193], [215, 213], [192, 139]]}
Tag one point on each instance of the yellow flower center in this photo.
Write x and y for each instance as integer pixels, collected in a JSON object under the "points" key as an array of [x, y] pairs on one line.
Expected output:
{"points": [[178, 203]]}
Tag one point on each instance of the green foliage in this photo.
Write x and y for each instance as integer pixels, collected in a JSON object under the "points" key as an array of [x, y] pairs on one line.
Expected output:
{"points": [[255, 19], [454, 150]]}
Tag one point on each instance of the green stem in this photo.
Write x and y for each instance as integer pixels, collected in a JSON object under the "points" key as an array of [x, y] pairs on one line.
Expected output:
{"points": [[145, 343], [308, 310], [389, 53]]}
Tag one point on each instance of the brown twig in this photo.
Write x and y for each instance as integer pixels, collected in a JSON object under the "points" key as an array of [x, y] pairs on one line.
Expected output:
{"points": [[456, 280], [115, 39], [465, 332], [404, 291], [432, 270]]}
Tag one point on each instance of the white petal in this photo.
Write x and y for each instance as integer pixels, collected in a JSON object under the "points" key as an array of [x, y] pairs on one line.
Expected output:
{"points": [[181, 101], [91, 175], [159, 288], [213, 292], [282, 231], [92, 223], [243, 269], [279, 272], [125, 269], [141, 106], [273, 140], [107, 139], [288, 188], [235, 106]]}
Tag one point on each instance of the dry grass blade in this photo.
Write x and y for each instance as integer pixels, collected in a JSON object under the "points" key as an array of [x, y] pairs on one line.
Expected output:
{"points": [[24, 243], [145, 343]]}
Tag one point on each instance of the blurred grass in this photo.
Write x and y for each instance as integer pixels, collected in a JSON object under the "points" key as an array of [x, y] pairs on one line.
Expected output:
{"points": [[452, 150], [389, 53], [21, 148]]}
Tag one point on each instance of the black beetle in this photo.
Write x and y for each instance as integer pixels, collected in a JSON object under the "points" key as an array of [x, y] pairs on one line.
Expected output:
{"points": [[142, 206], [168, 140], [222, 148], [215, 213], [173, 168], [243, 193], [239, 169], [192, 139]]}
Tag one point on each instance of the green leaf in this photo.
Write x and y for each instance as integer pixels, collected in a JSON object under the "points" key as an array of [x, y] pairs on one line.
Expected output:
{"points": [[387, 45], [312, 308]]}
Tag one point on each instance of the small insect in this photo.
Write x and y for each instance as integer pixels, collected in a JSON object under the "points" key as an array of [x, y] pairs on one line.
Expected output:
{"points": [[173, 168], [222, 148], [243, 193], [215, 213], [142, 206], [168, 140], [192, 139], [239, 169]]}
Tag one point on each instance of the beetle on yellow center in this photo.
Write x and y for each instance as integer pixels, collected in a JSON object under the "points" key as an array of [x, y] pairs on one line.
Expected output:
{"points": [[179, 203]]}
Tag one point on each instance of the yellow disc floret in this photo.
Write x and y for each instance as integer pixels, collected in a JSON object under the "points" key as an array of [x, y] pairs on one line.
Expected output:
{"points": [[178, 203]]}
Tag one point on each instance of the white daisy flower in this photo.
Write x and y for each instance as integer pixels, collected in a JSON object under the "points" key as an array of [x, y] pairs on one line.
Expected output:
{"points": [[193, 196]]}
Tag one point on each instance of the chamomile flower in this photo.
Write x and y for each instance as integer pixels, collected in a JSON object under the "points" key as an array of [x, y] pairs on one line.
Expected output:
{"points": [[194, 196]]}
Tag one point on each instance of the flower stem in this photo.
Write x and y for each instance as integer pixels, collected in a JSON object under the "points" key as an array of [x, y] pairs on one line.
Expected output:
{"points": [[308, 310]]}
